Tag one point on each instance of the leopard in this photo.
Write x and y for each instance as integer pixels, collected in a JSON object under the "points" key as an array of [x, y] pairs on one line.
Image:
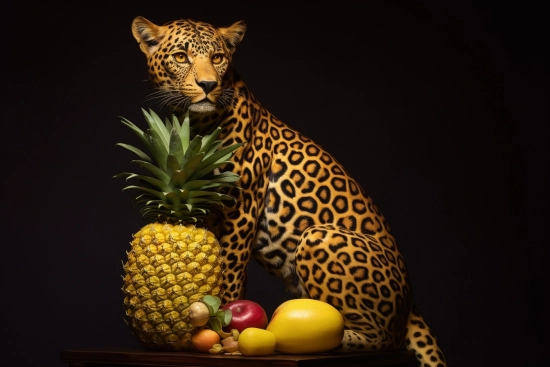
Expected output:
{"points": [[297, 211]]}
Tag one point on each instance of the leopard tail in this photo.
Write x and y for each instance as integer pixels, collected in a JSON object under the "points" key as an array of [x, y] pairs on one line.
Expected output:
{"points": [[422, 341]]}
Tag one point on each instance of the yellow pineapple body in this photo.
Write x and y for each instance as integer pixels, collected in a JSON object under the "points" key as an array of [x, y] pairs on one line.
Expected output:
{"points": [[172, 262], [169, 267]]}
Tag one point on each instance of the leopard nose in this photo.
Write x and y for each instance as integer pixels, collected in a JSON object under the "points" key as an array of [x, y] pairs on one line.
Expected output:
{"points": [[207, 86]]}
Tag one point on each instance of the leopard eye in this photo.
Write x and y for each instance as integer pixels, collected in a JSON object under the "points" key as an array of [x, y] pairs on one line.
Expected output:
{"points": [[180, 57], [217, 59]]}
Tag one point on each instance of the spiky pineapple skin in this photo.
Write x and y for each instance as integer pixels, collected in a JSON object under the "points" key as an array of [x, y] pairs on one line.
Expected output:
{"points": [[169, 267]]}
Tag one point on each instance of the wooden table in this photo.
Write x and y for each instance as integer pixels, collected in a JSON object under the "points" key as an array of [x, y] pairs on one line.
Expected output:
{"points": [[138, 357]]}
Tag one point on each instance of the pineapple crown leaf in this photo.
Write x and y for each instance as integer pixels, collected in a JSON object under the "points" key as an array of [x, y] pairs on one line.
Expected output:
{"points": [[215, 160], [205, 194], [156, 126], [195, 185], [209, 140], [185, 132], [182, 129], [155, 170], [140, 134], [178, 179], [175, 147], [154, 193], [172, 164], [158, 149], [137, 151], [193, 148], [225, 177], [213, 148], [148, 139], [192, 163], [151, 181], [168, 125]]}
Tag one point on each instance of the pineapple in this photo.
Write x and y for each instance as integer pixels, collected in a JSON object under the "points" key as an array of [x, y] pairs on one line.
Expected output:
{"points": [[173, 262]]}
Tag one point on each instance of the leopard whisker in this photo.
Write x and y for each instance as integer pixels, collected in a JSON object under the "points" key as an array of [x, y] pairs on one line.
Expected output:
{"points": [[171, 99], [228, 97]]}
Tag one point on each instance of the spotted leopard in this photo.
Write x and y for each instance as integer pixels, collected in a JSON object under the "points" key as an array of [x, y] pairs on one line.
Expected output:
{"points": [[298, 212]]}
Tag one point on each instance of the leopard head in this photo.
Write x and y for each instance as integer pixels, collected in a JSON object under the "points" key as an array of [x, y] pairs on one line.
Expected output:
{"points": [[189, 62]]}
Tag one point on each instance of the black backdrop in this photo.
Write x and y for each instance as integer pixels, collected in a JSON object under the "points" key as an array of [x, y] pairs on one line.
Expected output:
{"points": [[440, 111]]}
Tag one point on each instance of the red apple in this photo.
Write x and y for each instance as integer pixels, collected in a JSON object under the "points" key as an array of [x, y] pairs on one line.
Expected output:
{"points": [[245, 314]]}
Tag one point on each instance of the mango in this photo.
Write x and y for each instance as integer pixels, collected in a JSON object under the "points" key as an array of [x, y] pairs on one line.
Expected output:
{"points": [[305, 326]]}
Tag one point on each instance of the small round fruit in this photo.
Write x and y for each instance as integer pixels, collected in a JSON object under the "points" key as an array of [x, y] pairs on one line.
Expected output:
{"points": [[256, 342], [303, 326], [203, 340], [198, 314], [245, 314]]}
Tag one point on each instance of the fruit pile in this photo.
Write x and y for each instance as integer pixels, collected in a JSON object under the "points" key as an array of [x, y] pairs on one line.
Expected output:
{"points": [[299, 326]]}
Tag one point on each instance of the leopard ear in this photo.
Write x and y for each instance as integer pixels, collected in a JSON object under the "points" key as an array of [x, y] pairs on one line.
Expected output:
{"points": [[233, 35], [147, 34]]}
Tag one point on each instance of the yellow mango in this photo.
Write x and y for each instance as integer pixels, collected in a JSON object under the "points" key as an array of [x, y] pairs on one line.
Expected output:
{"points": [[305, 326]]}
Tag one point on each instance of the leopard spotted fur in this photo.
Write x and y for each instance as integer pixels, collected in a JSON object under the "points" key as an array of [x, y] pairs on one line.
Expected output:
{"points": [[298, 212]]}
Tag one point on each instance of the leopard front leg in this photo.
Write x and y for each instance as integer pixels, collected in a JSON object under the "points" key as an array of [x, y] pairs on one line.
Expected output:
{"points": [[236, 238], [364, 277]]}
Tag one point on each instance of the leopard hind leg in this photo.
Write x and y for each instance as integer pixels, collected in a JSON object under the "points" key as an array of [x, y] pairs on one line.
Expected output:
{"points": [[361, 276], [354, 342]]}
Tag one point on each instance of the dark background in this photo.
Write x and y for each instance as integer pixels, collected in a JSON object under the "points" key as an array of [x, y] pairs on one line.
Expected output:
{"points": [[439, 109]]}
